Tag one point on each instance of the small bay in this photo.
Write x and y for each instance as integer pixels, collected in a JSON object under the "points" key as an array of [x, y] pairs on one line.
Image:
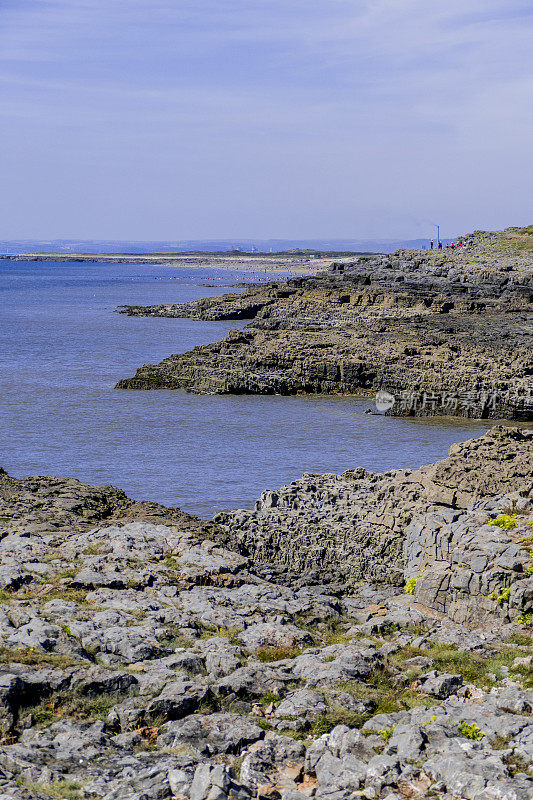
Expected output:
{"points": [[63, 349]]}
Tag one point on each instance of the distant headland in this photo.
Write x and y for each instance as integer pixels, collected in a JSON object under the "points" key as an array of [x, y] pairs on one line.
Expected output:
{"points": [[442, 332]]}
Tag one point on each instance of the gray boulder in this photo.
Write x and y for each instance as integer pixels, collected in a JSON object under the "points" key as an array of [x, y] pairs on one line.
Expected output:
{"points": [[178, 698], [302, 703], [211, 734], [216, 782], [271, 634], [441, 686]]}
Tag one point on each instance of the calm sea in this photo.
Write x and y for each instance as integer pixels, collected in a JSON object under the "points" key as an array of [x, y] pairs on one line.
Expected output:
{"points": [[63, 349]]}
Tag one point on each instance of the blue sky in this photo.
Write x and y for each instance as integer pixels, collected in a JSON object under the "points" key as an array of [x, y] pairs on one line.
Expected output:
{"points": [[151, 119]]}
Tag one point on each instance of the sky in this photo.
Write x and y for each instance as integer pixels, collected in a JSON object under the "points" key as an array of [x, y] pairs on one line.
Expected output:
{"points": [[197, 119]]}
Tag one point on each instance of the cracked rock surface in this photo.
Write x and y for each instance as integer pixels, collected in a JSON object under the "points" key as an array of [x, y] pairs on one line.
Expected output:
{"points": [[141, 658], [358, 524]]}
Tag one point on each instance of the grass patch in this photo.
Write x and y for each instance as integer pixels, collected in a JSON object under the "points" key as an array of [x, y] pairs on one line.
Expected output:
{"points": [[232, 634], [174, 638], [330, 630], [513, 510], [325, 723], [524, 639], [526, 229], [237, 765], [61, 790], [96, 549], [522, 246], [500, 742], [473, 667], [516, 764], [267, 698], [34, 657], [138, 614], [69, 595], [387, 697], [74, 705], [267, 654]]}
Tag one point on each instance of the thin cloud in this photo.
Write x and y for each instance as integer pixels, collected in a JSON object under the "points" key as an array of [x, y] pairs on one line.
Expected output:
{"points": [[359, 110]]}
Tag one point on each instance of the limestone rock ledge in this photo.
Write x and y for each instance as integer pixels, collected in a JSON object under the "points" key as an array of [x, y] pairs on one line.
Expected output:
{"points": [[469, 568], [353, 526], [140, 659], [444, 333], [465, 367]]}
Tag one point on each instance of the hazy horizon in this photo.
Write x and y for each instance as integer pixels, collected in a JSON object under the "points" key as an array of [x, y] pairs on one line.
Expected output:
{"points": [[322, 119], [135, 247]]}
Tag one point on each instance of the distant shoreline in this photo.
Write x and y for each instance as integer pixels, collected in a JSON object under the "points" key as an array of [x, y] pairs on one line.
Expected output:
{"points": [[304, 263]]}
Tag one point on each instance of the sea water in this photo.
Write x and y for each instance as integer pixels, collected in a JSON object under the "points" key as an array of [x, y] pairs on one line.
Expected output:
{"points": [[63, 349]]}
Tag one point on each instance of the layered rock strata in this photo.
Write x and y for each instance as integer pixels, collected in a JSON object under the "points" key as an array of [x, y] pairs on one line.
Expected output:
{"points": [[432, 366], [46, 504], [140, 658], [353, 526], [444, 333], [474, 564]]}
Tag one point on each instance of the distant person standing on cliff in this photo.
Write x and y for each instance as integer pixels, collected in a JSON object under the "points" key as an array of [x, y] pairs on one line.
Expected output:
{"points": [[431, 244], [440, 245]]}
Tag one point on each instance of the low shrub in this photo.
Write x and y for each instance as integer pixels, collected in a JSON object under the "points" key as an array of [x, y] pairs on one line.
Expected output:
{"points": [[471, 731], [501, 596], [505, 521]]}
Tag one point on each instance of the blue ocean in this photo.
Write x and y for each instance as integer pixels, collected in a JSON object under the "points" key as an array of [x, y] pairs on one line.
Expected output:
{"points": [[63, 349]]}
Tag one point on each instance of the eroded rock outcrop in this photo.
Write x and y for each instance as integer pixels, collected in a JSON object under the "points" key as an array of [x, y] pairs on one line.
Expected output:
{"points": [[445, 333], [463, 367], [354, 525], [141, 658], [474, 564], [44, 504]]}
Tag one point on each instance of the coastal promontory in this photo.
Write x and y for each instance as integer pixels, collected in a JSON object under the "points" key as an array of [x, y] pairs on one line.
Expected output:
{"points": [[442, 332]]}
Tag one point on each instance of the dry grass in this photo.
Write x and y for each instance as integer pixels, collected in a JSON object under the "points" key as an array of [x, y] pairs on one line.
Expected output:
{"points": [[473, 667], [278, 653], [34, 657], [73, 705], [519, 240], [60, 790]]}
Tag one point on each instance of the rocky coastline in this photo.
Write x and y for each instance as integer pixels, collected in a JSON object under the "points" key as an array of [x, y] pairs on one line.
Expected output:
{"points": [[444, 332], [353, 636]]}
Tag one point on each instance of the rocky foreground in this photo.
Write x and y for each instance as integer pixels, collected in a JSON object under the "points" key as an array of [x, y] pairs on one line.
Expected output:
{"points": [[443, 332], [142, 659]]}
